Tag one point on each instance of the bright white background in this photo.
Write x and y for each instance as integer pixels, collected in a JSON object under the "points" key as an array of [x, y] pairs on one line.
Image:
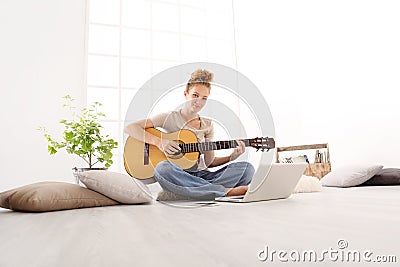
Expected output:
{"points": [[328, 69], [42, 58]]}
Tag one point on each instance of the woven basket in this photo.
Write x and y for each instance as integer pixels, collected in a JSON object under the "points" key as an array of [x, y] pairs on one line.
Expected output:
{"points": [[316, 169]]}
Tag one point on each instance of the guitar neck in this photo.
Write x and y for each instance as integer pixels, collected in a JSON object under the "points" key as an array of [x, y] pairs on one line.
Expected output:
{"points": [[207, 146]]}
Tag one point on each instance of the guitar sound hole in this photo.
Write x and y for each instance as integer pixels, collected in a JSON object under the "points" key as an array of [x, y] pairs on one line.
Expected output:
{"points": [[177, 153]]}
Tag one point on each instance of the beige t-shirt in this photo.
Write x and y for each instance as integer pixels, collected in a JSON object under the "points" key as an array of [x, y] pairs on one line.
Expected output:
{"points": [[173, 121]]}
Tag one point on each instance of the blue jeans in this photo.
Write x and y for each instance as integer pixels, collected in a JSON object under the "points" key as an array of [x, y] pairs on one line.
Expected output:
{"points": [[202, 184]]}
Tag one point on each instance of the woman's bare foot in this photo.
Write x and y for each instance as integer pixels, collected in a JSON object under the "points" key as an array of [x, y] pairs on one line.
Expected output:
{"points": [[236, 191]]}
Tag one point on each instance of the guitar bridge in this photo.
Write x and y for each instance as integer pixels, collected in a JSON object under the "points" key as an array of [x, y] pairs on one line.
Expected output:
{"points": [[146, 154]]}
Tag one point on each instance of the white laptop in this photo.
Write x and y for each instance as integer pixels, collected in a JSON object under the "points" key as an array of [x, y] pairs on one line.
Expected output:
{"points": [[280, 181]]}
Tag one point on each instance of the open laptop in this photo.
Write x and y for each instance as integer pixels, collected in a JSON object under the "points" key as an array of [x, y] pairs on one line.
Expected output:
{"points": [[280, 181]]}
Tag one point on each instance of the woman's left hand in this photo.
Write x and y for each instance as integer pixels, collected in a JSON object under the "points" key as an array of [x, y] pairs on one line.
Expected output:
{"points": [[239, 150]]}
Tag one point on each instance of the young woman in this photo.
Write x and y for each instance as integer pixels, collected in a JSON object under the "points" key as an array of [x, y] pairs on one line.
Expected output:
{"points": [[197, 182]]}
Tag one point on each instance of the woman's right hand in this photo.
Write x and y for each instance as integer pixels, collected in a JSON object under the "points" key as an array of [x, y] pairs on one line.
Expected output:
{"points": [[169, 147]]}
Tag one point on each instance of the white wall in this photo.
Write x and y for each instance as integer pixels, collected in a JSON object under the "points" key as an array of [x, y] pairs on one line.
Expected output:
{"points": [[42, 59], [330, 71]]}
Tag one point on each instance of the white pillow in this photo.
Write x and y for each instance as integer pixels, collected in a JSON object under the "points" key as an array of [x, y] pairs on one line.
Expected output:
{"points": [[117, 186], [350, 175]]}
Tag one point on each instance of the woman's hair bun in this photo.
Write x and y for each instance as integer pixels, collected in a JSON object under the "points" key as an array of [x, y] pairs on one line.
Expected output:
{"points": [[201, 76]]}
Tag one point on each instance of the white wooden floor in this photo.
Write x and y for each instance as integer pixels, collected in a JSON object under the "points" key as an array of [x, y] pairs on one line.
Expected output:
{"points": [[227, 234]]}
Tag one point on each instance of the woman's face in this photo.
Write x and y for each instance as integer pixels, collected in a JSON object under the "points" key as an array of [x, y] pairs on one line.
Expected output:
{"points": [[196, 97]]}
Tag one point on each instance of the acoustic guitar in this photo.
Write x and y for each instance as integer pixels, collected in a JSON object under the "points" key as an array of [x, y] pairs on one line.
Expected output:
{"points": [[140, 159]]}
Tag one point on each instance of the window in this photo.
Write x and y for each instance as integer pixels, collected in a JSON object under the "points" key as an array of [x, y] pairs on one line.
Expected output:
{"points": [[129, 41]]}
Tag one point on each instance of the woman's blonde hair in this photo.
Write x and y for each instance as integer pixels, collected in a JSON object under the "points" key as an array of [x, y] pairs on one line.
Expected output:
{"points": [[200, 76]]}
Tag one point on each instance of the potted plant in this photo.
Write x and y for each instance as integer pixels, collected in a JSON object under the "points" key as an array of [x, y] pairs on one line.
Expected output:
{"points": [[82, 137]]}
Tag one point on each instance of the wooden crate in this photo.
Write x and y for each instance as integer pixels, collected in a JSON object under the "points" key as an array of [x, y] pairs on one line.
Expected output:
{"points": [[316, 169]]}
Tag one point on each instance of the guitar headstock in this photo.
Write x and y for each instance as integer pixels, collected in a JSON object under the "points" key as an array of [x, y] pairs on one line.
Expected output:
{"points": [[263, 143]]}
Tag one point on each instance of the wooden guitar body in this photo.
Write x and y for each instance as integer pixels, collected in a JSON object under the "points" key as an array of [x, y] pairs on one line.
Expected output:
{"points": [[140, 159]]}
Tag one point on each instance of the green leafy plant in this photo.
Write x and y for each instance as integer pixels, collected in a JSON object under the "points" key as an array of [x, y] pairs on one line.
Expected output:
{"points": [[82, 135]]}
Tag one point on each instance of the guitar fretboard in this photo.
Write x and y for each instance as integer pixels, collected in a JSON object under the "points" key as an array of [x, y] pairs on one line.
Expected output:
{"points": [[207, 146]]}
